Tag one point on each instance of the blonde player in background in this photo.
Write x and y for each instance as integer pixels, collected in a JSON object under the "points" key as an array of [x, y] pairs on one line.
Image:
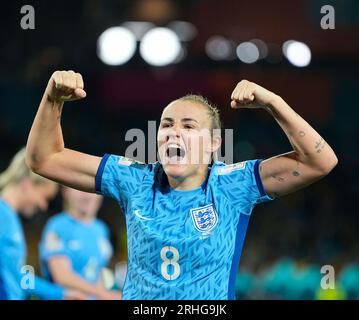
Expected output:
{"points": [[23, 192]]}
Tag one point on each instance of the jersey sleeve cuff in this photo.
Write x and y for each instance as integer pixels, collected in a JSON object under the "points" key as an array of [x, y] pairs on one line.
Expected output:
{"points": [[100, 170], [46, 257], [259, 182]]}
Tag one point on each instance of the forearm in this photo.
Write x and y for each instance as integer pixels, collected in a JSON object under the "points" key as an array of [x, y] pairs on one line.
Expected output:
{"points": [[309, 147], [46, 290], [70, 280], [45, 137]]}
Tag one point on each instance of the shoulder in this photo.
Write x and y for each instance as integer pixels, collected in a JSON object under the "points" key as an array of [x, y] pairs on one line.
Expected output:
{"points": [[222, 169], [58, 222], [116, 165], [101, 227], [241, 176], [242, 168], [125, 162], [9, 220], [5, 216]]}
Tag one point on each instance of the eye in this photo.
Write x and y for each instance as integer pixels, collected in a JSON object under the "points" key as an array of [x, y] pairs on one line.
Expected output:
{"points": [[188, 126], [165, 125]]}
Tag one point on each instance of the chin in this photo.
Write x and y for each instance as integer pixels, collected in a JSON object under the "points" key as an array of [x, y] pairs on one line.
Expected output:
{"points": [[175, 170], [29, 213]]}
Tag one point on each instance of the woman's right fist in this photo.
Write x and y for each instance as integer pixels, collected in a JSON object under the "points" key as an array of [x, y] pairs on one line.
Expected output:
{"points": [[65, 86]]}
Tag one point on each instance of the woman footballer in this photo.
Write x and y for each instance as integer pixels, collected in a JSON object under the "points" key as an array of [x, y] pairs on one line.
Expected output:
{"points": [[75, 246], [186, 221], [23, 192]]}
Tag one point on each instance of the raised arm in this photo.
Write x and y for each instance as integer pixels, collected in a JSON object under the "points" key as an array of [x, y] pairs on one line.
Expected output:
{"points": [[311, 159], [45, 150]]}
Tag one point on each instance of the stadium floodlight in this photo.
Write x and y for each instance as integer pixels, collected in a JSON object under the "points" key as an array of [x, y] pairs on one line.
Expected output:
{"points": [[138, 28], [297, 53], [248, 52], [219, 48], [262, 47], [160, 47], [116, 46], [185, 31]]}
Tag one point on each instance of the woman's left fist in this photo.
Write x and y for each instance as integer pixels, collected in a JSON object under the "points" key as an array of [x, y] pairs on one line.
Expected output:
{"points": [[250, 95]]}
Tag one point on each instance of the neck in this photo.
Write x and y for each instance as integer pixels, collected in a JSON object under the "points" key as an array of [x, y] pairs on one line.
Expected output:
{"points": [[79, 215], [11, 195], [191, 181]]}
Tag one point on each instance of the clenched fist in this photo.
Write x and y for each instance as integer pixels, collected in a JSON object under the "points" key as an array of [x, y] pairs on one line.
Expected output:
{"points": [[65, 86], [250, 95]]}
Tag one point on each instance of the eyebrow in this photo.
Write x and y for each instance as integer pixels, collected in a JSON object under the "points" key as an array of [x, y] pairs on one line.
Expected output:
{"points": [[182, 120]]}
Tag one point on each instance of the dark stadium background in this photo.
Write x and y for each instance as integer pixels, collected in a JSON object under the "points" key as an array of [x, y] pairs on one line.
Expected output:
{"points": [[313, 227]]}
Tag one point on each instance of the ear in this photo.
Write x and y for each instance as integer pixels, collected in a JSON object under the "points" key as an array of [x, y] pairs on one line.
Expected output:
{"points": [[216, 143]]}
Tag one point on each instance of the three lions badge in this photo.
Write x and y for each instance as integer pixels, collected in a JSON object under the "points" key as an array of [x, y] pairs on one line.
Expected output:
{"points": [[204, 218]]}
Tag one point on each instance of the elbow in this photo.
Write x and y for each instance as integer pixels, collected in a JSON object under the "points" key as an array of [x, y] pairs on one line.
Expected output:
{"points": [[30, 163], [328, 165], [33, 161]]}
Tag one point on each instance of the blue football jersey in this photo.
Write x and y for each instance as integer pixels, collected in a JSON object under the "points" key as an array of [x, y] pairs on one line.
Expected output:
{"points": [[182, 244], [13, 259], [86, 245]]}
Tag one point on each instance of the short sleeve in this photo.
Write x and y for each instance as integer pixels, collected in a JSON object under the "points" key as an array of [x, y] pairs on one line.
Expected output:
{"points": [[242, 184], [53, 242], [119, 177]]}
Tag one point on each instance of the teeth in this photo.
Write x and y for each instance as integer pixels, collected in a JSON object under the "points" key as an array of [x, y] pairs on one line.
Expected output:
{"points": [[174, 150], [173, 145]]}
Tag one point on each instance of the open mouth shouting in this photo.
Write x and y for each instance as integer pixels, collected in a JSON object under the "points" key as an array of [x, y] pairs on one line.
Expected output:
{"points": [[175, 154]]}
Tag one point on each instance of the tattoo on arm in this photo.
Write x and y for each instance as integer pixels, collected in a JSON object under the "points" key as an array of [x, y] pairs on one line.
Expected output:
{"points": [[319, 146], [296, 172], [57, 107], [278, 178]]}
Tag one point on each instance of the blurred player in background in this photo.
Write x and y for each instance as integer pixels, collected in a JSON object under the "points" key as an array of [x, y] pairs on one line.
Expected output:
{"points": [[186, 221], [23, 192], [75, 246]]}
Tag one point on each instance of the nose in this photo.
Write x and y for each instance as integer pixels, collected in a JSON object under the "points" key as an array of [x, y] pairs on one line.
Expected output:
{"points": [[43, 205], [174, 132]]}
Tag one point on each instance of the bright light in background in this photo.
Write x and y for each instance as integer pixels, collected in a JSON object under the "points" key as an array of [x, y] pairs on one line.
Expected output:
{"points": [[181, 55], [116, 46], [138, 28], [160, 47], [248, 52], [285, 47], [298, 53], [219, 48], [262, 47], [185, 31]]}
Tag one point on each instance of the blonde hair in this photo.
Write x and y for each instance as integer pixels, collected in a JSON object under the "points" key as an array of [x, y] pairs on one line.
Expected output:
{"points": [[212, 111], [17, 170]]}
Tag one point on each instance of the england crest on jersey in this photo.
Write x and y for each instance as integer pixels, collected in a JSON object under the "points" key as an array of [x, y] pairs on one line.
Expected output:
{"points": [[204, 218]]}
